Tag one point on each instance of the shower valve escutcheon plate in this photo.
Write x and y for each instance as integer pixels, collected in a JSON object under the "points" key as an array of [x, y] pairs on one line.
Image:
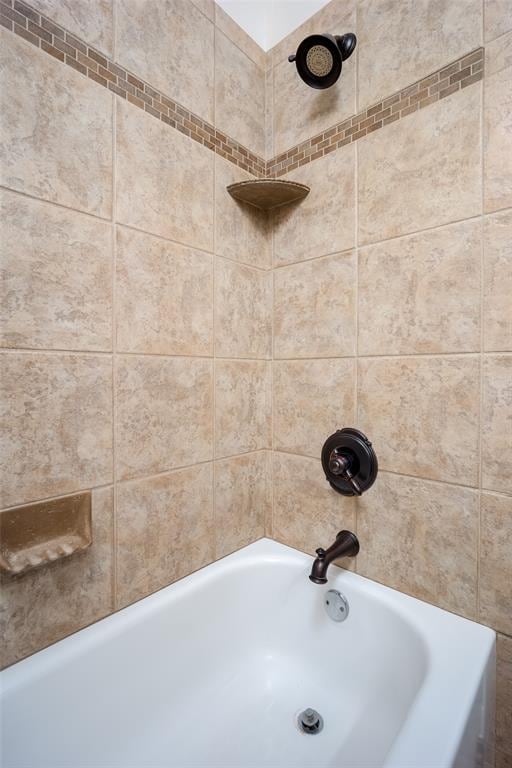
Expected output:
{"points": [[349, 462]]}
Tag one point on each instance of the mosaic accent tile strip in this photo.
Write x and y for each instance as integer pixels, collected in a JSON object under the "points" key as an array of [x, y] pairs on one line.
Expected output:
{"points": [[465, 71], [21, 19]]}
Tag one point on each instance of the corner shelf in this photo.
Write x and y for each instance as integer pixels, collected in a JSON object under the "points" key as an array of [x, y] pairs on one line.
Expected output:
{"points": [[268, 193]]}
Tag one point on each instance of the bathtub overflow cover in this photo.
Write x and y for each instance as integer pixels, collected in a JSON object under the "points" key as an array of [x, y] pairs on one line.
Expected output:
{"points": [[310, 721], [336, 605]]}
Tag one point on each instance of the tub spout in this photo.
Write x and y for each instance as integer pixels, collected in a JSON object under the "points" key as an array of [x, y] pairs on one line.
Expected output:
{"points": [[346, 545]]}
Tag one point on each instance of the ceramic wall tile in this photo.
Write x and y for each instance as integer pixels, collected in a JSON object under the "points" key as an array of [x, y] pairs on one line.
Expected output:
{"points": [[239, 37], [91, 21], [164, 296], [498, 282], [239, 95], [401, 41], [56, 414], [164, 180], [243, 500], [324, 221], [421, 171], [164, 530], [242, 406], [57, 290], [242, 232], [243, 311], [170, 44], [421, 293], [312, 398], [497, 130], [207, 7], [422, 415], [495, 576], [314, 308], [421, 538], [308, 513], [55, 130], [269, 112], [164, 413], [498, 18], [49, 603], [497, 423]]}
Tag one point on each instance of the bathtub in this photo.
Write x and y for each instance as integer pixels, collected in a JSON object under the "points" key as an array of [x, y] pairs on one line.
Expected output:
{"points": [[212, 672]]}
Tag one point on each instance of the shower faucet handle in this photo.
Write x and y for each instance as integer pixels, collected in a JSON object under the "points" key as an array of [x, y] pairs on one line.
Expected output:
{"points": [[349, 462]]}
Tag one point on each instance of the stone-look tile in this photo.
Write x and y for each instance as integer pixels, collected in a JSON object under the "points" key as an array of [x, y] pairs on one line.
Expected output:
{"points": [[242, 232], [304, 111], [497, 129], [504, 702], [413, 38], [170, 44], [496, 562], [47, 604], [207, 7], [308, 513], [55, 130], [503, 759], [324, 221], [422, 415], [92, 20], [164, 530], [311, 399], [498, 282], [164, 296], [335, 15], [498, 18], [56, 416], [421, 538], [243, 500], [421, 293], [497, 423], [419, 173], [239, 95], [164, 180], [243, 311], [56, 291], [269, 112], [239, 37], [164, 413], [242, 406], [314, 308]]}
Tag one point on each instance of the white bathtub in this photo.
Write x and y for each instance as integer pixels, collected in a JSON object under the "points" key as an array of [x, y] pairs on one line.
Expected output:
{"points": [[212, 672]]}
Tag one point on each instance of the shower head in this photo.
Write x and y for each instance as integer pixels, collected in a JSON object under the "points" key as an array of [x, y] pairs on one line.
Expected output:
{"points": [[319, 58]]}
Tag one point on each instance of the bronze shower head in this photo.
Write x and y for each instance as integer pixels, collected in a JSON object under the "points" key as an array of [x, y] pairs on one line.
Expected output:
{"points": [[319, 58]]}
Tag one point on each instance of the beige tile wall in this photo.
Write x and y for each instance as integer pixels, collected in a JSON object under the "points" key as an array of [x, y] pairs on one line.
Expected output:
{"points": [[409, 338], [138, 357], [136, 312]]}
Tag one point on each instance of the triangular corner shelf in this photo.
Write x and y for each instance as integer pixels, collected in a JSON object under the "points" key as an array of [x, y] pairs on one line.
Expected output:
{"points": [[268, 193]]}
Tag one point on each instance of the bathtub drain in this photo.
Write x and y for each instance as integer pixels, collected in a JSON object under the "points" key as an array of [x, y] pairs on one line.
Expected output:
{"points": [[310, 721]]}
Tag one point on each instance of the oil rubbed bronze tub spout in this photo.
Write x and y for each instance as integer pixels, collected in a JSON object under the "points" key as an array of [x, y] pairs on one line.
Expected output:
{"points": [[346, 545]]}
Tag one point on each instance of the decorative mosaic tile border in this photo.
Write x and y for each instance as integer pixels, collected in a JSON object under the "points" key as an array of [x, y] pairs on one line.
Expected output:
{"points": [[463, 72], [20, 18]]}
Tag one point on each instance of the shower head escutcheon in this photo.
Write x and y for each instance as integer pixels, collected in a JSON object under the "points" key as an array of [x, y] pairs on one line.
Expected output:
{"points": [[319, 58]]}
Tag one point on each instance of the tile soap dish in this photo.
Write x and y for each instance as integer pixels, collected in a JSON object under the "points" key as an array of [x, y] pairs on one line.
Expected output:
{"points": [[268, 193], [37, 534]]}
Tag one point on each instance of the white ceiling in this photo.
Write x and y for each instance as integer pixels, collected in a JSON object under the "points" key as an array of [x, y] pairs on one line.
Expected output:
{"points": [[268, 21]]}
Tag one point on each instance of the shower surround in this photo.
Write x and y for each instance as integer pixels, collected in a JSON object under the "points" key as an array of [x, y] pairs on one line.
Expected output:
{"points": [[185, 356]]}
